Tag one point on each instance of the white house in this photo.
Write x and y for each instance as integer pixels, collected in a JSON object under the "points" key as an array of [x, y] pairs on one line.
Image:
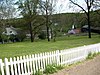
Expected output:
{"points": [[10, 30]]}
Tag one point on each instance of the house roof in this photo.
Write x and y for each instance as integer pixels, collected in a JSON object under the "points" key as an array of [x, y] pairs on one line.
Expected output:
{"points": [[11, 30]]}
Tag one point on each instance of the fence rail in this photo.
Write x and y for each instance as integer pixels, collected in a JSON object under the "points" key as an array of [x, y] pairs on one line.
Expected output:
{"points": [[29, 64]]}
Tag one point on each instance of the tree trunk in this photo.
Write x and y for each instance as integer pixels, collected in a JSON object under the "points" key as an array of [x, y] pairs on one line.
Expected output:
{"points": [[47, 25], [48, 34], [89, 26], [31, 33], [51, 32]]}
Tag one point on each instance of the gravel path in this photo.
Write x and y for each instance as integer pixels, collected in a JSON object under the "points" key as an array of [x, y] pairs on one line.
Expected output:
{"points": [[90, 67]]}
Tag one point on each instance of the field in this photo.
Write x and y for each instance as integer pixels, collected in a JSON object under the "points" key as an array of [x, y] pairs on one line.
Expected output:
{"points": [[27, 48]]}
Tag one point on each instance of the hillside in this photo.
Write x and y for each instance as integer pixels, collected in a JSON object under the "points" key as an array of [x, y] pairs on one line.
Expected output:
{"points": [[64, 21]]}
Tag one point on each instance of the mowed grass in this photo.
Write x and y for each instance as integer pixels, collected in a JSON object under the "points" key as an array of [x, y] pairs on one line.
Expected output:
{"points": [[27, 48]]}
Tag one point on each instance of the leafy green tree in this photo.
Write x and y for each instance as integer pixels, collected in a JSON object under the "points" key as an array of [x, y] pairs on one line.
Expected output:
{"points": [[95, 18], [28, 9]]}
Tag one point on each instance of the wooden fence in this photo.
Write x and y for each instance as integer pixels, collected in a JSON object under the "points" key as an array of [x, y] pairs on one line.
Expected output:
{"points": [[29, 64]]}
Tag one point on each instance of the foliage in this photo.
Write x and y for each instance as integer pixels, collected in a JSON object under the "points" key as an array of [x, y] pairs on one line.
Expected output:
{"points": [[89, 6], [7, 9], [38, 73], [4, 37], [12, 37], [0, 72], [95, 18], [30, 10], [59, 67], [42, 35], [0, 39], [47, 8], [20, 36], [50, 69], [92, 55]]}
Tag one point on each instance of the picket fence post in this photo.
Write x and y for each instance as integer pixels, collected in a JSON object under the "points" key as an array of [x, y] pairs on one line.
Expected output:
{"points": [[1, 67], [58, 57], [7, 66], [27, 65], [22, 69], [12, 69]]}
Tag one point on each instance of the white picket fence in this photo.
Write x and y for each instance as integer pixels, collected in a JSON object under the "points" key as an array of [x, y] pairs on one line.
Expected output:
{"points": [[28, 65]]}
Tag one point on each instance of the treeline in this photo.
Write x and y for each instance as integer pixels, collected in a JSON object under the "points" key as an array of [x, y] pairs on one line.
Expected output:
{"points": [[37, 16], [61, 22]]}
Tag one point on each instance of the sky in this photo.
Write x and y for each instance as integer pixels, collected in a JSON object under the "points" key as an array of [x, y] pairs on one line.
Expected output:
{"points": [[63, 6]]}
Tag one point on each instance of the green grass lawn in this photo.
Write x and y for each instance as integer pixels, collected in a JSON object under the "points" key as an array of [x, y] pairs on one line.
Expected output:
{"points": [[27, 48]]}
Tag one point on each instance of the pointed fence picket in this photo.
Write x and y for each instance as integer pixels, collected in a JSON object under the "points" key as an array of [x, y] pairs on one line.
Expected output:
{"points": [[29, 64]]}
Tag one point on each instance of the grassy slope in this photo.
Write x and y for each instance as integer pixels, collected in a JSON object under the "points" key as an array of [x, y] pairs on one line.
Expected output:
{"points": [[26, 48]]}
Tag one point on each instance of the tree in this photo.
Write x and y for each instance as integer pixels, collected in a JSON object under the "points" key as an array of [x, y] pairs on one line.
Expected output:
{"points": [[95, 16], [7, 11], [89, 7], [47, 9], [28, 9]]}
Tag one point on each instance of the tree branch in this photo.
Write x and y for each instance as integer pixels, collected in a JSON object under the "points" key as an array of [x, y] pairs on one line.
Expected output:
{"points": [[78, 6], [91, 2]]}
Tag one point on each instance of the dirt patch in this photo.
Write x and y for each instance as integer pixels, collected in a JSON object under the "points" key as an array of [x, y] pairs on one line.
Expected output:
{"points": [[90, 67]]}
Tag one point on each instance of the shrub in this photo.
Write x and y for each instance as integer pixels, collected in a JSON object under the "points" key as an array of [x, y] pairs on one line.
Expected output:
{"points": [[20, 36], [0, 72], [91, 55], [4, 37], [94, 54], [50, 69], [0, 39], [42, 35], [38, 73], [12, 37], [59, 67]]}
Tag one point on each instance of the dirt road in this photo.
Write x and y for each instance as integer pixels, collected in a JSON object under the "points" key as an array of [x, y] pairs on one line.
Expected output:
{"points": [[89, 67]]}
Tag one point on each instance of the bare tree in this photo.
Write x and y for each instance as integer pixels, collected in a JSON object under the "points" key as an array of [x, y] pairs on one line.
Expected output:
{"points": [[89, 6], [47, 9], [7, 10]]}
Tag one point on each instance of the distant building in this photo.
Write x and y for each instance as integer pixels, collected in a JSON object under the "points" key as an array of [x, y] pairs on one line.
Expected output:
{"points": [[14, 34], [74, 30], [11, 30]]}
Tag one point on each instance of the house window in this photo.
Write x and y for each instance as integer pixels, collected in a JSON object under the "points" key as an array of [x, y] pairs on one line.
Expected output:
{"points": [[10, 31], [5, 32]]}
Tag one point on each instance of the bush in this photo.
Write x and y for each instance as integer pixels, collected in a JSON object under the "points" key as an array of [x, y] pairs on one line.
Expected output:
{"points": [[50, 69], [0, 39], [42, 35], [92, 55], [12, 37], [4, 37], [20, 37], [38, 73]]}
